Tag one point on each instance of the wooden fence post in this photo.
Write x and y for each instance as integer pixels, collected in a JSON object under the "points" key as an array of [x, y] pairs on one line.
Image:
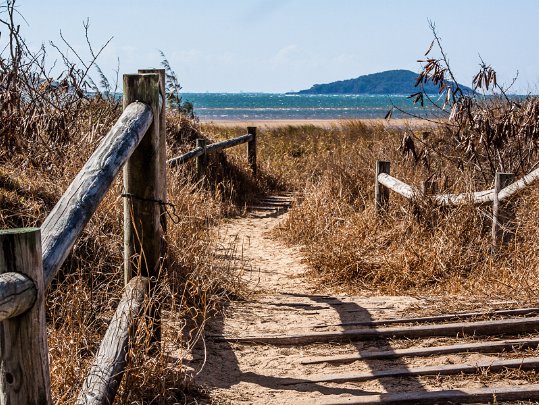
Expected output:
{"points": [[502, 213], [24, 356], [202, 160], [143, 196], [381, 193], [162, 140], [251, 149]]}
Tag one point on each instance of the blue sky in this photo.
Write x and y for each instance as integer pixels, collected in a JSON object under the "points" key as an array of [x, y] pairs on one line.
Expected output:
{"points": [[283, 45]]}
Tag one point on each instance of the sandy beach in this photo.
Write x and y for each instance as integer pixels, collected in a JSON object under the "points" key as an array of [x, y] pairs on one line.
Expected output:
{"points": [[397, 122]]}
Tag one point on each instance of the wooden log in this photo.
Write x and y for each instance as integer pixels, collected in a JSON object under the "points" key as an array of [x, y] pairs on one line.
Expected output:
{"points": [[194, 153], [490, 327], [381, 193], [24, 356], [528, 392], [142, 207], [398, 186], [502, 214], [251, 149], [481, 347], [213, 147], [17, 294], [202, 160], [526, 363], [437, 318], [70, 215], [106, 372]]}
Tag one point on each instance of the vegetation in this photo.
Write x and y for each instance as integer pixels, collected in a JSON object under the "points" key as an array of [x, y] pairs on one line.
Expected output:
{"points": [[389, 82], [48, 129]]}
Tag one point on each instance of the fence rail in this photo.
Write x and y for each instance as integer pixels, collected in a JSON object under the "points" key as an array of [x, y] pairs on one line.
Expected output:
{"points": [[502, 213], [28, 264], [202, 149], [72, 212]]}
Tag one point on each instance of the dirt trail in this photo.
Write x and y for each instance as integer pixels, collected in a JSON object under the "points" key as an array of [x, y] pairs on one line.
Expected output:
{"points": [[285, 302]]}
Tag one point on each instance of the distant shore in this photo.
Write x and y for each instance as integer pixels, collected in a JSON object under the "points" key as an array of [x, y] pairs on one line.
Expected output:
{"points": [[327, 123]]}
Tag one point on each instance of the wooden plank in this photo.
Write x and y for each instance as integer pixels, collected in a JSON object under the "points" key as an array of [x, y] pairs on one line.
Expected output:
{"points": [[142, 207], [106, 372], [491, 327], [70, 215], [528, 392], [481, 347], [24, 356], [437, 318], [397, 186], [17, 294], [401, 372]]}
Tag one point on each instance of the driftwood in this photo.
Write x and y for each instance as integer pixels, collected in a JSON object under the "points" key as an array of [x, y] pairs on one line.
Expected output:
{"points": [[69, 216], [491, 327], [17, 294], [528, 392], [482, 347], [107, 368], [437, 318], [447, 369]]}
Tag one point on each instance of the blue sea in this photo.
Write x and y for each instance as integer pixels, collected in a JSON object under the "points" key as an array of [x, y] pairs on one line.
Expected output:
{"points": [[266, 106]]}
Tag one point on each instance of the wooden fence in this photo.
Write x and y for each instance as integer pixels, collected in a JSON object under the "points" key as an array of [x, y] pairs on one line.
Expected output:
{"points": [[31, 257], [502, 212]]}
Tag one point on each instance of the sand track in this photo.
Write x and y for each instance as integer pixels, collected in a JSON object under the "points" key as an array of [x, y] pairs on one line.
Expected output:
{"points": [[285, 302]]}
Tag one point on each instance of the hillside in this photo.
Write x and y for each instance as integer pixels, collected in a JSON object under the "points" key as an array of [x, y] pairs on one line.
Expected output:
{"points": [[388, 82]]}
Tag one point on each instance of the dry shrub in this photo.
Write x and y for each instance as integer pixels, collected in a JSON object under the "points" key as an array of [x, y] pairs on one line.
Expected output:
{"points": [[85, 293]]}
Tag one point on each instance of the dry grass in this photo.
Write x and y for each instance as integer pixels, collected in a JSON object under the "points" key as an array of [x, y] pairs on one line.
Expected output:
{"points": [[416, 248], [85, 294]]}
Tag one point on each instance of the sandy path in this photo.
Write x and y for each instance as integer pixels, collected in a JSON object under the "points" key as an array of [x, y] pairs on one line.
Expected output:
{"points": [[285, 302]]}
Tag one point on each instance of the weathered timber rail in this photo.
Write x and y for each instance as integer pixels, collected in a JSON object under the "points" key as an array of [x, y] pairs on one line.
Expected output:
{"points": [[502, 212], [203, 149], [30, 258]]}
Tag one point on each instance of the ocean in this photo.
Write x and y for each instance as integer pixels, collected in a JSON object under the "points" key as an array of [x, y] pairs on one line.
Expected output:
{"points": [[266, 106]]}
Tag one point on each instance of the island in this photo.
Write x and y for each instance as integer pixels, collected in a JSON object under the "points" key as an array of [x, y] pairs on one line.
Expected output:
{"points": [[388, 82]]}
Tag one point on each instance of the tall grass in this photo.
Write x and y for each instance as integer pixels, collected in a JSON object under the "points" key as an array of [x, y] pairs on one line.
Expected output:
{"points": [[416, 247]]}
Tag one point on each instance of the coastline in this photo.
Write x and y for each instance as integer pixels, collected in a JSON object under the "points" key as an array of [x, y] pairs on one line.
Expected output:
{"points": [[324, 123]]}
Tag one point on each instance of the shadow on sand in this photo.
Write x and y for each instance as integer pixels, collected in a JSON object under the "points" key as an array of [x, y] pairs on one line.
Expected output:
{"points": [[224, 371]]}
